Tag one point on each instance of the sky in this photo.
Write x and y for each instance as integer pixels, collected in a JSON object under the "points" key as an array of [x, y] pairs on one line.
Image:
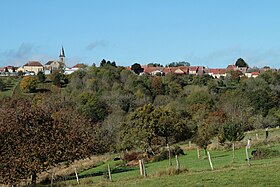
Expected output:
{"points": [[202, 32]]}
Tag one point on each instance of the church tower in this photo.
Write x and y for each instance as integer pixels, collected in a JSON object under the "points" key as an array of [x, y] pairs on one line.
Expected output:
{"points": [[62, 56]]}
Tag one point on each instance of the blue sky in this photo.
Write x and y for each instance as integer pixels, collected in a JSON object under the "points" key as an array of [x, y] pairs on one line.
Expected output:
{"points": [[211, 33]]}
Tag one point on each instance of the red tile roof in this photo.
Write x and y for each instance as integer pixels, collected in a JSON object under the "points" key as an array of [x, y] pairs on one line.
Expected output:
{"points": [[231, 67], [33, 63], [177, 70], [216, 71], [148, 69], [255, 73], [193, 68], [79, 66]]}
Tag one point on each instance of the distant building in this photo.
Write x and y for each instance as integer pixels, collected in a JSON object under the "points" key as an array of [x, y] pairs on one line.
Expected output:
{"points": [[252, 74], [56, 65], [33, 66], [62, 57], [217, 72], [52, 65], [69, 71]]}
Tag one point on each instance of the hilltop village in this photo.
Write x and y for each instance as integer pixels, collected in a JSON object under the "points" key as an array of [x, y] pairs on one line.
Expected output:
{"points": [[34, 67]]}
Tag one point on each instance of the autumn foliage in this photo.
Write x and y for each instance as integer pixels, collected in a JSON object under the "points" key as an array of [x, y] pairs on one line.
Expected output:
{"points": [[28, 84], [33, 138]]}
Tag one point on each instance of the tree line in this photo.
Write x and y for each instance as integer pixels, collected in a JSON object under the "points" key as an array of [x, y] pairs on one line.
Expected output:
{"points": [[112, 109]]}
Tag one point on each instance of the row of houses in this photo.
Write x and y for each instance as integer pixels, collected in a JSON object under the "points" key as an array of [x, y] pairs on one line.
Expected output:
{"points": [[201, 70], [34, 67]]}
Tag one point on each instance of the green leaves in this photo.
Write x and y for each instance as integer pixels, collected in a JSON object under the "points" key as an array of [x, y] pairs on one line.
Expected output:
{"points": [[148, 123], [233, 131], [91, 107], [241, 63]]}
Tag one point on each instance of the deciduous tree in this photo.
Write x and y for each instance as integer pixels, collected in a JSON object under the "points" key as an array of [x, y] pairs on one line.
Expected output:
{"points": [[32, 139], [233, 131], [28, 84]]}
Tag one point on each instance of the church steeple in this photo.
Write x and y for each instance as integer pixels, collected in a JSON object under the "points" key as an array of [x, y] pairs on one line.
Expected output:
{"points": [[62, 56]]}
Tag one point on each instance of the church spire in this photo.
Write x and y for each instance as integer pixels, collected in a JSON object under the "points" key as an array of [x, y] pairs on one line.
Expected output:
{"points": [[62, 54]]}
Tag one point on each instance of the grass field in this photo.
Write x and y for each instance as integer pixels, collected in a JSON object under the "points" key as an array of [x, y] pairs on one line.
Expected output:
{"points": [[194, 171], [12, 83], [263, 172]]}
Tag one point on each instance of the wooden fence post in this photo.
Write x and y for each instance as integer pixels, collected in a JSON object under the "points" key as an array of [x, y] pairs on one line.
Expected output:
{"points": [[77, 176], [247, 156], [210, 161], [144, 169], [141, 167], [198, 152], [109, 173], [177, 163]]}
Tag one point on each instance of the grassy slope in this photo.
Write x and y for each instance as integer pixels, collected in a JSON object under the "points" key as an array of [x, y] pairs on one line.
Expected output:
{"points": [[262, 172], [10, 87]]}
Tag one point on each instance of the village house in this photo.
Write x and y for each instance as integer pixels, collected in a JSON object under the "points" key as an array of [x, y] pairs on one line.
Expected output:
{"points": [[217, 72], [53, 65], [252, 74], [8, 71], [152, 70], [71, 70], [180, 70], [33, 66]]}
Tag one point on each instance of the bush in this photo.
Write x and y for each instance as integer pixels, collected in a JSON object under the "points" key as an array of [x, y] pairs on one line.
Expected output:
{"points": [[28, 84], [262, 153], [41, 76], [2, 85], [163, 155], [127, 157], [171, 172]]}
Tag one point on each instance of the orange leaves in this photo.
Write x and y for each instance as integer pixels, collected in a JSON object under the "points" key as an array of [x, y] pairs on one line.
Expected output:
{"points": [[28, 84]]}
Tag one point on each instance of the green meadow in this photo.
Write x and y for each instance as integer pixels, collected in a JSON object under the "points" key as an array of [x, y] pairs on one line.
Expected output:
{"points": [[193, 171]]}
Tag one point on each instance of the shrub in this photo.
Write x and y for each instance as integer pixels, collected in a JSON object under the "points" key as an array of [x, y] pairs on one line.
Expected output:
{"points": [[41, 76], [130, 156], [171, 172], [28, 84], [2, 85], [163, 155], [262, 153]]}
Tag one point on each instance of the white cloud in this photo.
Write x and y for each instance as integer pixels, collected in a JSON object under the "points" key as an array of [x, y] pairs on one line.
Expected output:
{"points": [[17, 57]]}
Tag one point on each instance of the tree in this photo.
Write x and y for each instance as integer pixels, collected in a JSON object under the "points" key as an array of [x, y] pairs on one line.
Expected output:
{"points": [[137, 130], [148, 124], [176, 64], [41, 76], [164, 122], [154, 65], [20, 73], [59, 79], [104, 63], [235, 76], [157, 86], [204, 135], [241, 63], [236, 105], [34, 138], [137, 68], [233, 131], [90, 106], [28, 84]]}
